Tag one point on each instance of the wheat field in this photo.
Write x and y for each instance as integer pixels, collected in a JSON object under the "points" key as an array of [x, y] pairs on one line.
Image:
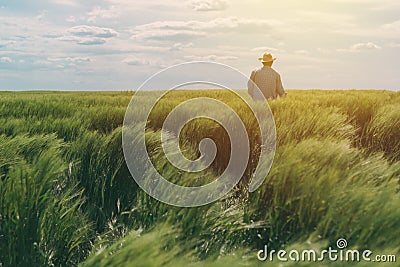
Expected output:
{"points": [[67, 197]]}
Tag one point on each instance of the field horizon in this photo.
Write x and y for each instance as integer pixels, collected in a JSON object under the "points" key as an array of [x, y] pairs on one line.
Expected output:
{"points": [[133, 90]]}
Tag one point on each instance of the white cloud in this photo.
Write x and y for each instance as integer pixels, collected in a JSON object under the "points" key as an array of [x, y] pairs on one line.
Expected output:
{"points": [[218, 23], [82, 40], [70, 59], [42, 63], [57, 62], [42, 15], [208, 5], [4, 44], [129, 4], [361, 47], [100, 13], [66, 2], [72, 19], [135, 61], [265, 49], [6, 60], [194, 28], [180, 46], [158, 63], [211, 58], [93, 41], [302, 52], [167, 34], [88, 35], [365, 46], [92, 31]]}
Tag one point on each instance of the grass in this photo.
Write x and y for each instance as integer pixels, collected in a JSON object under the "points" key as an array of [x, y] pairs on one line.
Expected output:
{"points": [[67, 197]]}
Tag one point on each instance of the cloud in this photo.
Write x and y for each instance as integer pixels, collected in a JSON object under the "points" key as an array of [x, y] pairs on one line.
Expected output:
{"points": [[72, 19], [71, 3], [33, 61], [167, 34], [208, 5], [92, 31], [162, 30], [70, 59], [365, 46], [143, 4], [159, 63], [42, 15], [211, 58], [180, 46], [302, 52], [100, 13], [5, 60], [218, 23], [8, 43], [361, 47], [135, 61], [265, 49], [94, 41], [87, 35], [63, 62], [82, 40]]}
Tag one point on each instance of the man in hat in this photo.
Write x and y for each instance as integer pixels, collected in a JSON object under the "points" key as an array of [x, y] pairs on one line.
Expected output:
{"points": [[266, 79]]}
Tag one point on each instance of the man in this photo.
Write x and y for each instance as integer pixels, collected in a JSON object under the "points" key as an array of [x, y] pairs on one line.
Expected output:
{"points": [[267, 80]]}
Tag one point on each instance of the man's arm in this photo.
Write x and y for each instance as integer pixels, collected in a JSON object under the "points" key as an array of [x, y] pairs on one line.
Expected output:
{"points": [[250, 83], [279, 86]]}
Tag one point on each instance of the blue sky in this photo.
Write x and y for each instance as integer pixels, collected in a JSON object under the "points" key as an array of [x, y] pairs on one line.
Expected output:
{"points": [[117, 45]]}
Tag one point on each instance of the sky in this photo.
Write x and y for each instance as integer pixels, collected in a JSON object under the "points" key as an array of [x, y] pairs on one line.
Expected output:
{"points": [[118, 44]]}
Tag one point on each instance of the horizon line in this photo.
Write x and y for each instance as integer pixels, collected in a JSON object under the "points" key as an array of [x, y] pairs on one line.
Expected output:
{"points": [[211, 89]]}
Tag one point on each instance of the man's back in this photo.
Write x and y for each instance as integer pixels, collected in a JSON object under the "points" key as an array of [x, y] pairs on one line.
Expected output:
{"points": [[268, 81]]}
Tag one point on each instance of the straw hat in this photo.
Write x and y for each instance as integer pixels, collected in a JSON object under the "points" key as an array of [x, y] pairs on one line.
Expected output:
{"points": [[267, 57]]}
